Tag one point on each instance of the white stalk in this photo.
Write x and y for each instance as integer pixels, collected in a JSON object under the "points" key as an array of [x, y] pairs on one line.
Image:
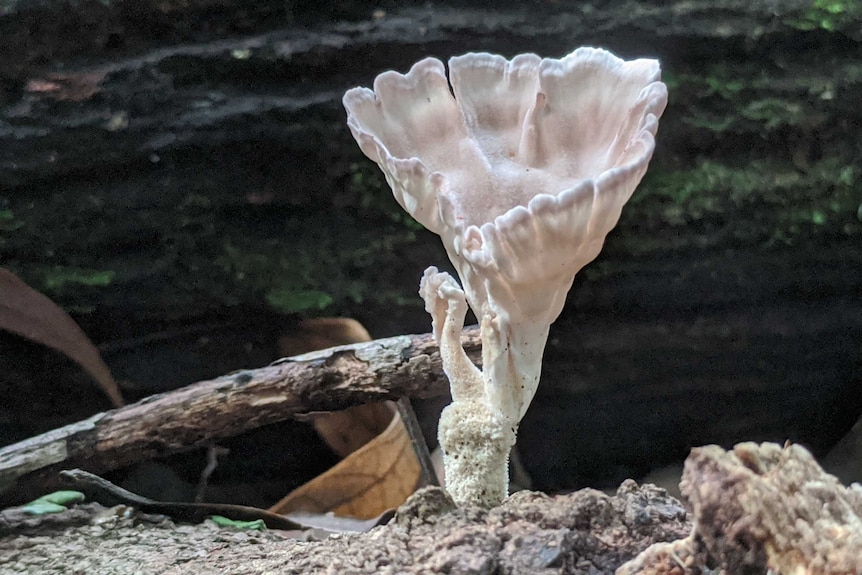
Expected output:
{"points": [[475, 435]]}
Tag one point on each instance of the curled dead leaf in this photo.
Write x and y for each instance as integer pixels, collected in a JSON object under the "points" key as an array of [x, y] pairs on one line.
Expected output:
{"points": [[348, 430], [67, 86], [320, 333], [380, 469], [378, 476], [32, 315]]}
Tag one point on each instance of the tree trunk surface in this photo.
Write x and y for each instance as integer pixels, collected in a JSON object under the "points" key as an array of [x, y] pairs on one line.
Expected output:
{"points": [[179, 176]]}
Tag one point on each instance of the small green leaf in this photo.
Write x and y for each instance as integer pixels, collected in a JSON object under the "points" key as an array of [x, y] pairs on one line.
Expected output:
{"points": [[287, 300], [257, 524], [846, 176], [43, 508], [52, 503], [818, 217], [61, 497], [8, 223], [60, 276]]}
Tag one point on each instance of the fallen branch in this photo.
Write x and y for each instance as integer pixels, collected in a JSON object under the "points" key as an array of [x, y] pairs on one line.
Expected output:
{"points": [[326, 380]]}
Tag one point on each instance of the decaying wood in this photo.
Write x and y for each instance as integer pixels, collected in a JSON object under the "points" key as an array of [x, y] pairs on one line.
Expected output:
{"points": [[761, 508], [208, 164], [329, 379]]}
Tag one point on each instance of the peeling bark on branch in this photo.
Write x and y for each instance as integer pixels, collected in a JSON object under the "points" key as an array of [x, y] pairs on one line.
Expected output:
{"points": [[167, 423]]}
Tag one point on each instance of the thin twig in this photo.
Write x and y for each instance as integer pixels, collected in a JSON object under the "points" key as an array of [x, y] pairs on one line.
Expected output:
{"points": [[101, 488], [417, 439], [213, 453]]}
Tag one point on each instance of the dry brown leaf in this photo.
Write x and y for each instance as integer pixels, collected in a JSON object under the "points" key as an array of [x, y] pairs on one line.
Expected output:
{"points": [[67, 86], [320, 333], [378, 476], [32, 315], [379, 470], [348, 430]]}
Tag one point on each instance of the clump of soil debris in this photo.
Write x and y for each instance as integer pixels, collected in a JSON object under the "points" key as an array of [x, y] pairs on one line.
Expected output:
{"points": [[755, 508], [761, 508], [585, 532]]}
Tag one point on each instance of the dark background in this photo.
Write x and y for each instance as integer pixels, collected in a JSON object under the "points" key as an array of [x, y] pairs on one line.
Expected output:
{"points": [[179, 176]]}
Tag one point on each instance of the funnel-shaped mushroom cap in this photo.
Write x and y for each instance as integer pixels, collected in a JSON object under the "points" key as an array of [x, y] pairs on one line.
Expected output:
{"points": [[522, 167], [523, 171]]}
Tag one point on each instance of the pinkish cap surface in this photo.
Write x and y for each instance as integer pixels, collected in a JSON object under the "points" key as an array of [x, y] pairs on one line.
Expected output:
{"points": [[522, 166]]}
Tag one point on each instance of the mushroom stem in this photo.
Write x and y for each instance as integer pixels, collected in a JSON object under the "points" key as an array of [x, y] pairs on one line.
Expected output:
{"points": [[474, 433], [476, 446], [447, 304]]}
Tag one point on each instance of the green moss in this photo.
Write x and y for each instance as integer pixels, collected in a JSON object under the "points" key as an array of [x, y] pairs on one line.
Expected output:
{"points": [[773, 113], [818, 217], [367, 183], [671, 79], [270, 270], [852, 72], [718, 124], [721, 84], [287, 300], [745, 98], [8, 223], [763, 115], [58, 277], [308, 268], [828, 15], [830, 179], [696, 189], [763, 202], [718, 80]]}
